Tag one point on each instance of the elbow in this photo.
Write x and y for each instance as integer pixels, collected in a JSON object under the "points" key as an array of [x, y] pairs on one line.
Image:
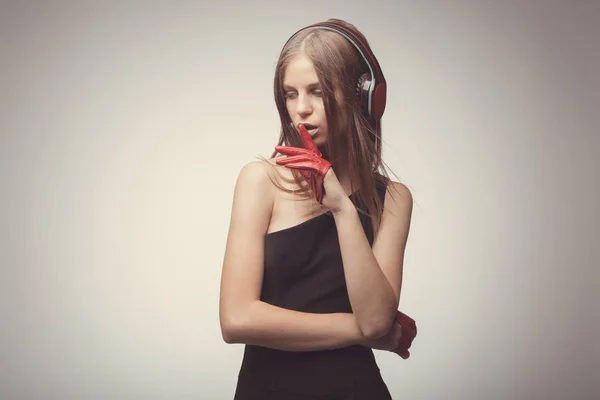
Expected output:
{"points": [[381, 321], [230, 329], [377, 328], [227, 333], [235, 325], [230, 332]]}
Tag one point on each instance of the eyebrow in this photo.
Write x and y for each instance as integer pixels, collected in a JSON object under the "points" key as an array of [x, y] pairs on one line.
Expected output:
{"points": [[310, 86]]}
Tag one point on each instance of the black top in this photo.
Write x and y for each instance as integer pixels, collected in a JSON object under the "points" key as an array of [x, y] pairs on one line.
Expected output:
{"points": [[303, 271]]}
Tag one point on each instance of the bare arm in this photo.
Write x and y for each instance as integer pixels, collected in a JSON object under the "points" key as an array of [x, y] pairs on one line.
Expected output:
{"points": [[374, 275], [246, 319], [278, 328]]}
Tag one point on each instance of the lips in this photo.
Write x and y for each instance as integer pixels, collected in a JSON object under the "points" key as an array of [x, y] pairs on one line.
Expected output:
{"points": [[311, 129]]}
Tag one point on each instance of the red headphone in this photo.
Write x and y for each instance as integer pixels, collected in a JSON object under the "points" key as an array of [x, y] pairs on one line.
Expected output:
{"points": [[371, 87]]}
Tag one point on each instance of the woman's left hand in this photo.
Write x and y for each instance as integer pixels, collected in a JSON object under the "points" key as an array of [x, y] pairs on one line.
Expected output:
{"points": [[316, 170]]}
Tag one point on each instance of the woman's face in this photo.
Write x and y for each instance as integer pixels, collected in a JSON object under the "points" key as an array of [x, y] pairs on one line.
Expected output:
{"points": [[304, 98]]}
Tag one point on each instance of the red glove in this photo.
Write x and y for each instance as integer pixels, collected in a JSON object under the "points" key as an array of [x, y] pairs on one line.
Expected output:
{"points": [[409, 331], [309, 161]]}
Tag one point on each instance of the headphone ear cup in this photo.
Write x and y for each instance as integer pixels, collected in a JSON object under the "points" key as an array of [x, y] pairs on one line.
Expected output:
{"points": [[378, 98], [362, 91]]}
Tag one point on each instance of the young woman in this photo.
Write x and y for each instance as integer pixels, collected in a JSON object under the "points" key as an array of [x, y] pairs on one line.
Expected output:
{"points": [[313, 263]]}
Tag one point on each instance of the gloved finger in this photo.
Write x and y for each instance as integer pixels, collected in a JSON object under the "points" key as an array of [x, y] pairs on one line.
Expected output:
{"points": [[293, 159], [307, 140], [293, 151], [301, 165]]}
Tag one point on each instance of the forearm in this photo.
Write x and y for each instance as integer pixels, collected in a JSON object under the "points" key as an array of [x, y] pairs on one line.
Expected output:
{"points": [[274, 327], [371, 296]]}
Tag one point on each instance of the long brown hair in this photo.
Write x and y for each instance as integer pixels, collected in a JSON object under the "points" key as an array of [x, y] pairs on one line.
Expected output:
{"points": [[352, 139]]}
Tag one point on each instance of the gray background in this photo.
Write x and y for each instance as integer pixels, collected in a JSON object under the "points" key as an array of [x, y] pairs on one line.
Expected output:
{"points": [[123, 128]]}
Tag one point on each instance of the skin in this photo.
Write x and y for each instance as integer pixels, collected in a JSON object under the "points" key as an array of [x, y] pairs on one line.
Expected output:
{"points": [[373, 275]]}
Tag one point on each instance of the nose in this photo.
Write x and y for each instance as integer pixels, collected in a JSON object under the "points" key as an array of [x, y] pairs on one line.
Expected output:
{"points": [[303, 106]]}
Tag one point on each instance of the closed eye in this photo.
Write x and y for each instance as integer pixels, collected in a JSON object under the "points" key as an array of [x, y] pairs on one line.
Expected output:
{"points": [[291, 94]]}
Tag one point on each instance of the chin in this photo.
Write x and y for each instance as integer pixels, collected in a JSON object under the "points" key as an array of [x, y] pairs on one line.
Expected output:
{"points": [[319, 140]]}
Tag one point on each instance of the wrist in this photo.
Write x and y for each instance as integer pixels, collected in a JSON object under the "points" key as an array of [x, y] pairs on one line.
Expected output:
{"points": [[345, 209]]}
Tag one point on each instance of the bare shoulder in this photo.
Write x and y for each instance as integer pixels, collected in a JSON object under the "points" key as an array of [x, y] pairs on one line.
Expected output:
{"points": [[278, 176], [262, 170], [255, 172], [398, 189], [254, 188], [398, 198]]}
